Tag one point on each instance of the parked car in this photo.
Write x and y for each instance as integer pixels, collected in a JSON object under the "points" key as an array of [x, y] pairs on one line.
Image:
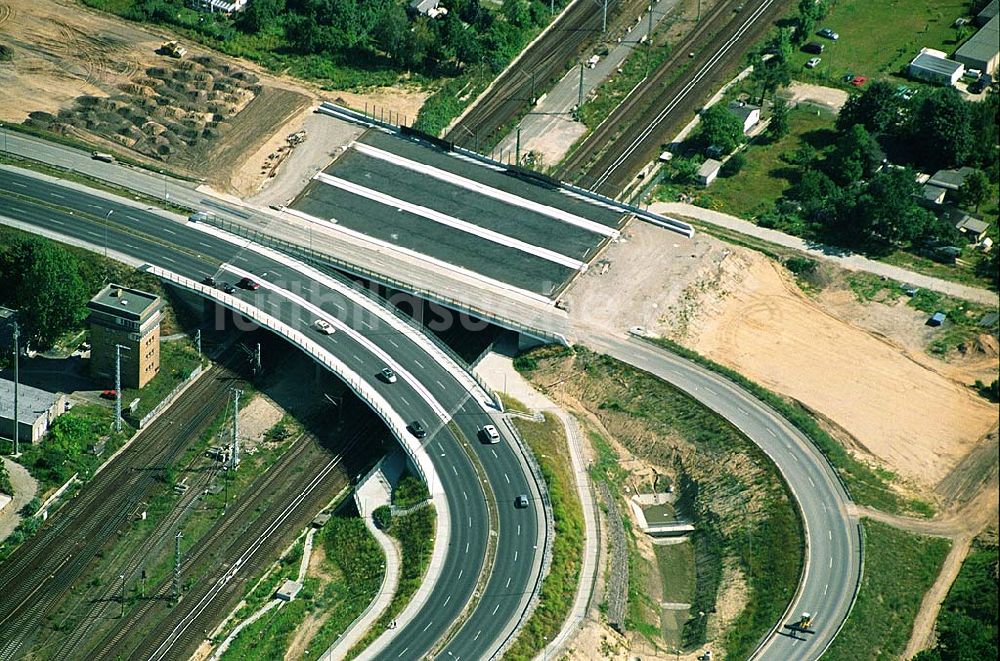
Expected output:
{"points": [[972, 74], [813, 47], [521, 501], [813, 62], [417, 429], [388, 375], [984, 81], [829, 34], [109, 394], [324, 327], [489, 434], [247, 283], [859, 81]]}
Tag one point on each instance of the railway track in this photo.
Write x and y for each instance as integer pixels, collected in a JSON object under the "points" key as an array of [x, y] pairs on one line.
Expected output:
{"points": [[239, 546], [540, 67], [632, 135], [39, 573]]}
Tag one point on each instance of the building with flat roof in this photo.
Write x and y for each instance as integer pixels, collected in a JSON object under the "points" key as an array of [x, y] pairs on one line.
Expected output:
{"points": [[988, 12], [131, 318], [708, 171], [933, 66], [982, 50], [36, 409], [748, 113]]}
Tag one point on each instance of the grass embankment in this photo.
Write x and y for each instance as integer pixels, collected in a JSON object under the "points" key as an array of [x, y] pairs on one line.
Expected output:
{"points": [[347, 580], [415, 533], [967, 624], [735, 496], [547, 440], [903, 28], [409, 492], [899, 569], [961, 327], [867, 486], [178, 360], [610, 93]]}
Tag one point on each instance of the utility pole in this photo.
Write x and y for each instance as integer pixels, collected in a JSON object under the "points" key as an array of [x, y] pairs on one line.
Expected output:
{"points": [[197, 341], [177, 565], [17, 361], [649, 39], [604, 20], [699, 12], [517, 147], [234, 456], [118, 386], [122, 576], [142, 584], [579, 98]]}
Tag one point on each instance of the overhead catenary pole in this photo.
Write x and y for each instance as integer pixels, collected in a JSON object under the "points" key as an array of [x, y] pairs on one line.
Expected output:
{"points": [[17, 361], [234, 456], [107, 221], [604, 20], [579, 98], [118, 386], [177, 565]]}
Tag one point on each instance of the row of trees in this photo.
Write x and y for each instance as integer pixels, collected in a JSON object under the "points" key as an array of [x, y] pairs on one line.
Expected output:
{"points": [[375, 31]]}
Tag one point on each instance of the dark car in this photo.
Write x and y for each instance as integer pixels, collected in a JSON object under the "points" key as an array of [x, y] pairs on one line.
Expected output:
{"points": [[829, 34], [813, 47], [208, 280], [984, 81], [417, 429], [226, 287], [521, 501], [247, 283]]}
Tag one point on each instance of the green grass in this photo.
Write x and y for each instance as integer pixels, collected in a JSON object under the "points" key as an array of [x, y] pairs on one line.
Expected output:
{"points": [[547, 441], [878, 39], [767, 173], [409, 492], [676, 562], [178, 359], [610, 93], [866, 485], [899, 569], [415, 533]]}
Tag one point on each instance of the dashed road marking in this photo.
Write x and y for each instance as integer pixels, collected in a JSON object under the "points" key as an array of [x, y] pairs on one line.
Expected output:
{"points": [[57, 195], [508, 583], [393, 343], [454, 470], [495, 609], [771, 432], [403, 652], [506, 477], [428, 626], [418, 363], [515, 555]]}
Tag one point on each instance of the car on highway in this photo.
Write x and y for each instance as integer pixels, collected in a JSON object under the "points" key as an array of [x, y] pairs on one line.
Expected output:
{"points": [[489, 434], [324, 327], [109, 394], [521, 502], [208, 280], [813, 62], [103, 156], [417, 429], [829, 34], [226, 287], [247, 283], [387, 375]]}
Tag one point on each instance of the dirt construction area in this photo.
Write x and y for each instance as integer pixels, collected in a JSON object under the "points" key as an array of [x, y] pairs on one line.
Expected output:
{"points": [[861, 367], [95, 77]]}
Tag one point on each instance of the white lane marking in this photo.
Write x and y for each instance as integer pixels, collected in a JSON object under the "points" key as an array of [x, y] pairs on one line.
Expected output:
{"points": [[460, 572], [811, 482], [20, 185], [446, 600], [466, 494], [440, 384], [418, 363], [477, 635], [133, 219], [405, 401], [168, 231], [519, 529], [506, 477], [707, 389], [402, 653], [390, 341], [771, 432], [357, 358], [515, 555], [508, 583], [467, 547], [831, 562], [496, 609], [470, 521], [170, 259], [825, 588], [57, 195], [428, 626], [742, 410], [453, 469], [204, 245], [829, 533], [825, 508], [794, 456], [57, 222], [452, 222], [495, 454]]}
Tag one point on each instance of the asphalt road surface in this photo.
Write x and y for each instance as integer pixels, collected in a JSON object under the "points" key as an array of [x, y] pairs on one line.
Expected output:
{"points": [[832, 562], [153, 238]]}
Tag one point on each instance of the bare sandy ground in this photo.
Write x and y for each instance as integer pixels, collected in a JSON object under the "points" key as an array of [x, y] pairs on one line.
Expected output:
{"points": [[830, 97], [913, 412]]}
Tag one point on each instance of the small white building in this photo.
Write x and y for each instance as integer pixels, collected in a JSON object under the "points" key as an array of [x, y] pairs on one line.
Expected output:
{"points": [[933, 66], [708, 171], [36, 409], [748, 114]]}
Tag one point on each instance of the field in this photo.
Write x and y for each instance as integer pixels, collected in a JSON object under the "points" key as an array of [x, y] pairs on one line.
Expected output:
{"points": [[903, 28], [768, 172], [899, 569]]}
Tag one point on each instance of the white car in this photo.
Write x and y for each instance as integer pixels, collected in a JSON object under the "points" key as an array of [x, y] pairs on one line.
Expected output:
{"points": [[324, 327], [490, 434], [813, 62]]}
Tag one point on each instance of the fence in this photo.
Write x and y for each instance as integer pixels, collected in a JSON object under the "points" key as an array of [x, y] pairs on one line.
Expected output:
{"points": [[169, 399]]}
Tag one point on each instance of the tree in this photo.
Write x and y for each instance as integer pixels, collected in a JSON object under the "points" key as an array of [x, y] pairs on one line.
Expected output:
{"points": [[517, 13], [49, 295], [813, 190], [720, 128], [771, 69], [854, 157], [941, 129], [887, 212], [777, 127], [259, 15], [877, 109], [973, 190]]}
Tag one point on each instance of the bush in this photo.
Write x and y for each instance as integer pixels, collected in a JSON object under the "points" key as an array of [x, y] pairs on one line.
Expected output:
{"points": [[409, 492], [801, 266], [733, 166], [6, 53], [382, 516]]}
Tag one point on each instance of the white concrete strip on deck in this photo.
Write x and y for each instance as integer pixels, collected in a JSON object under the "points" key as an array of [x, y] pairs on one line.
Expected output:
{"points": [[488, 191], [451, 221]]}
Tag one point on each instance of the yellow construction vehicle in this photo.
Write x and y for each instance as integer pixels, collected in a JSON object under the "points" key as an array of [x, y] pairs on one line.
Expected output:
{"points": [[173, 49]]}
